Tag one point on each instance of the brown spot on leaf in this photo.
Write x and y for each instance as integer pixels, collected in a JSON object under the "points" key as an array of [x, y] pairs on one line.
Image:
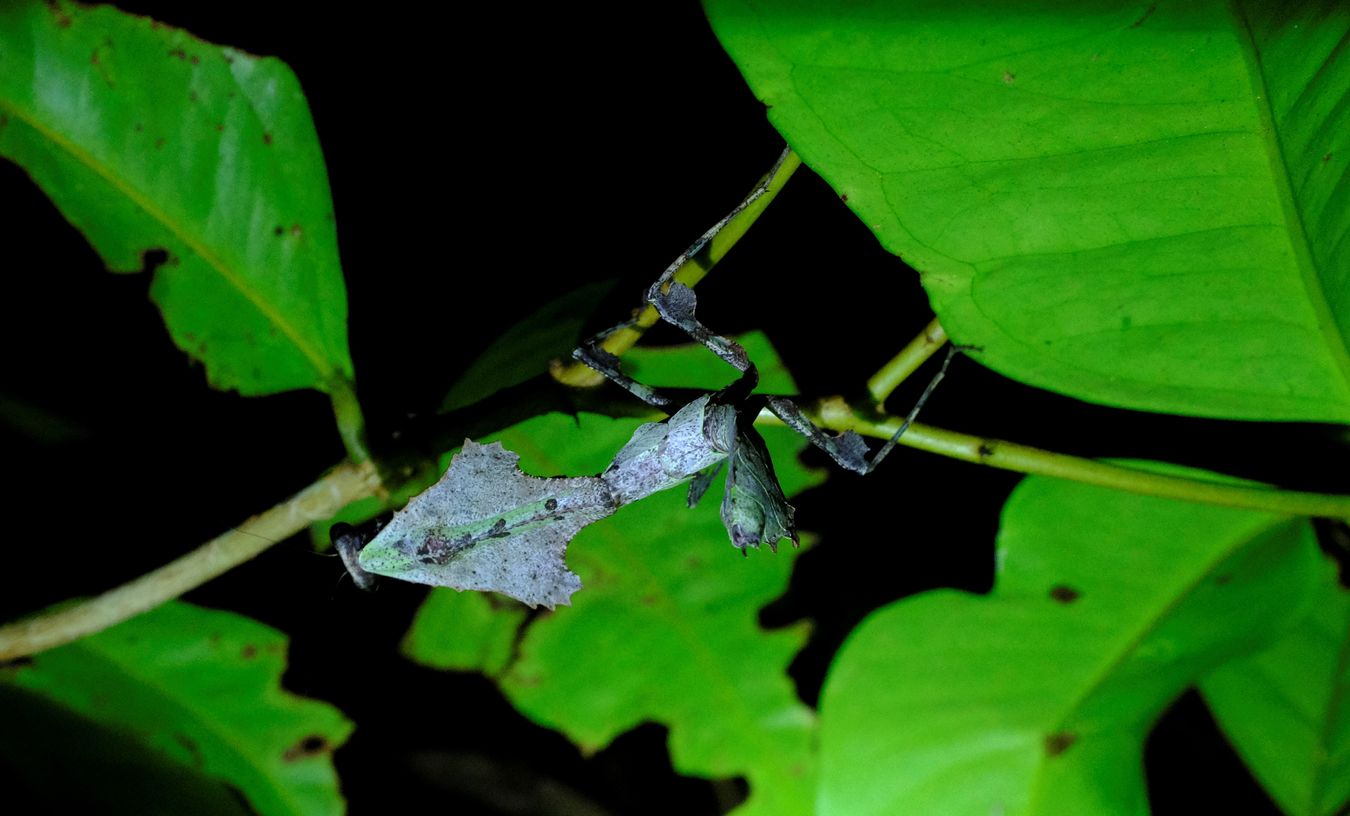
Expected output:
{"points": [[1059, 742], [59, 14], [220, 127], [190, 745], [1148, 12], [179, 53], [1326, 157], [296, 231], [1222, 579], [280, 230], [194, 59], [192, 96], [140, 128], [249, 651], [267, 138], [985, 450], [159, 142], [844, 197], [307, 747], [1062, 593], [1009, 77]]}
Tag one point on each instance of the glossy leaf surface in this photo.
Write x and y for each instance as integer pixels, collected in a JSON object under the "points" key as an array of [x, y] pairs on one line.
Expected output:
{"points": [[150, 140], [1036, 699], [1285, 709], [201, 689], [1142, 205]]}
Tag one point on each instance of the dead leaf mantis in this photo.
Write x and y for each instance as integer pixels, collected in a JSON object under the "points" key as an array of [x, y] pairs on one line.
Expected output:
{"points": [[487, 526]]}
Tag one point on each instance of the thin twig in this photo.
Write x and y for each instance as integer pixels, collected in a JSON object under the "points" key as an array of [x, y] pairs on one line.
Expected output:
{"points": [[913, 355], [837, 415], [321, 500], [691, 267]]}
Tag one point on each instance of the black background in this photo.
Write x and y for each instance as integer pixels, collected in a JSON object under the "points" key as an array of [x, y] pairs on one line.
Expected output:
{"points": [[484, 162]]}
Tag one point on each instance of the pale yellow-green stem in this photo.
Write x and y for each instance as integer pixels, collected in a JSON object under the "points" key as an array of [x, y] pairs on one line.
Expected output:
{"points": [[837, 415], [321, 500], [913, 355], [689, 272]]}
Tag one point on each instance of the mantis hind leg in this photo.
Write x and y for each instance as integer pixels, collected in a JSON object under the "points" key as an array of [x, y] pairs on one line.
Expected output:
{"points": [[675, 303], [848, 449]]}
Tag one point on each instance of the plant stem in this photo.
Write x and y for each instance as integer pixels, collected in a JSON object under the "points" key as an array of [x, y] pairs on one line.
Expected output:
{"points": [[882, 383], [350, 422], [341, 486], [837, 415], [690, 267]]}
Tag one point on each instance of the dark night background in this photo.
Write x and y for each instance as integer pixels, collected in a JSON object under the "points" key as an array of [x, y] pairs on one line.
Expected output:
{"points": [[483, 164]]}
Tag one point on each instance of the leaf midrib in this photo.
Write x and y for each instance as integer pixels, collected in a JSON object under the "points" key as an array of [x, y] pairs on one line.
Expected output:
{"points": [[1130, 646], [198, 715], [192, 242], [1293, 214]]}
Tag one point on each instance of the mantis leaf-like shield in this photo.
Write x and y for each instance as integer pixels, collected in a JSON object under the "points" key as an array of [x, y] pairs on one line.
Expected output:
{"points": [[487, 526]]}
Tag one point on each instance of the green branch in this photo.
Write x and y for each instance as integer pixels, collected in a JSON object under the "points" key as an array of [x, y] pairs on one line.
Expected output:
{"points": [[837, 415], [690, 267], [321, 500], [916, 353]]}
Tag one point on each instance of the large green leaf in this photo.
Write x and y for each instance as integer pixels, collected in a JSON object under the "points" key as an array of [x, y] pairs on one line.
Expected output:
{"points": [[1285, 708], [148, 138], [1139, 204], [1037, 698], [201, 688], [665, 626]]}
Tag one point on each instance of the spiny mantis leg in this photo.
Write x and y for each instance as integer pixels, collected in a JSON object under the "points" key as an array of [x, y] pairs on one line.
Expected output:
{"points": [[849, 450], [705, 239], [591, 352]]}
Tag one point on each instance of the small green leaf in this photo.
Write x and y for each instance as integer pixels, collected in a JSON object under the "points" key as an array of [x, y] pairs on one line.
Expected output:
{"points": [[202, 688], [147, 138], [666, 628], [464, 631], [1285, 708], [1037, 698], [526, 348], [1138, 204]]}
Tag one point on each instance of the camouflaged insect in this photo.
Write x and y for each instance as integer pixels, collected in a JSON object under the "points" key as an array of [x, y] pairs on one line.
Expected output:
{"points": [[487, 526]]}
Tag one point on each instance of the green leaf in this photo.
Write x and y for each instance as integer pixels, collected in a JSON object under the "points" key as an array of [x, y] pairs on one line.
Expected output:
{"points": [[665, 628], [147, 138], [201, 688], [679, 367], [464, 631], [1037, 698], [1284, 709], [1143, 205], [73, 765], [526, 348]]}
